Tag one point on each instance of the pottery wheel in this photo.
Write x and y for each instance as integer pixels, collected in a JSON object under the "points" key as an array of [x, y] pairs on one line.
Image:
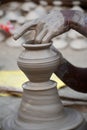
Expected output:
{"points": [[64, 122]]}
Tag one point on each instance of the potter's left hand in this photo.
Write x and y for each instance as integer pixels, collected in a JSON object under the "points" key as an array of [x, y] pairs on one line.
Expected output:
{"points": [[46, 27]]}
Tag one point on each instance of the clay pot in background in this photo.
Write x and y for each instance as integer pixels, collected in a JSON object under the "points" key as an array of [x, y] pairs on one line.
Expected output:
{"points": [[48, 1]]}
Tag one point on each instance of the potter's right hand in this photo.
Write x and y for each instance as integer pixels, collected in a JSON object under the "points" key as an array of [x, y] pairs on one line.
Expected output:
{"points": [[46, 27]]}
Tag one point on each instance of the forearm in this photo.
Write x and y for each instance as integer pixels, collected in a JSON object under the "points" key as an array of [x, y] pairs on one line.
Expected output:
{"points": [[78, 22], [75, 78]]}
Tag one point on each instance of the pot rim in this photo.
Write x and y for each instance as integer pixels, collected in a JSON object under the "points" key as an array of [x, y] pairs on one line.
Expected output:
{"points": [[31, 45]]}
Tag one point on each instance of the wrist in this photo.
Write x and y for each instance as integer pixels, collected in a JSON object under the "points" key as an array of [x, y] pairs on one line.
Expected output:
{"points": [[68, 15], [77, 19]]}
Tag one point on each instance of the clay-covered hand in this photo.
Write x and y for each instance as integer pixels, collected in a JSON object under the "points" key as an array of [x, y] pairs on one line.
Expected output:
{"points": [[46, 27]]}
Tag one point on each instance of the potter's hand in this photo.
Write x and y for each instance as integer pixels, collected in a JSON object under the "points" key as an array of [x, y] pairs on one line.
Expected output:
{"points": [[46, 27], [55, 23]]}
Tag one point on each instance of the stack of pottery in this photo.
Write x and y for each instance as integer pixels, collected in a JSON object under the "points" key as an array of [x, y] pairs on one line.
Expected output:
{"points": [[41, 108]]}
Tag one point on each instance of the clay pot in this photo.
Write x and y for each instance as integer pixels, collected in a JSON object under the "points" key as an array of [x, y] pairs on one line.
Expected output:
{"points": [[38, 61]]}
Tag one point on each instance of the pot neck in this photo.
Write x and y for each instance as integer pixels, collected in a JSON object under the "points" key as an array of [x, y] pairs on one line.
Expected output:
{"points": [[32, 46]]}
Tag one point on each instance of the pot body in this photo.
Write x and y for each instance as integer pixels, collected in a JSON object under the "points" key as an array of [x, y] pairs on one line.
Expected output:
{"points": [[38, 61]]}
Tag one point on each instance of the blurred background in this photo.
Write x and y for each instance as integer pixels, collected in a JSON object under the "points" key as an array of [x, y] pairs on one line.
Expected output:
{"points": [[13, 14]]}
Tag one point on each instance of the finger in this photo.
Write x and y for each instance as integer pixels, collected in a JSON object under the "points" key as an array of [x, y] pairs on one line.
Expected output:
{"points": [[30, 35], [40, 36], [48, 37], [39, 27], [19, 32]]}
